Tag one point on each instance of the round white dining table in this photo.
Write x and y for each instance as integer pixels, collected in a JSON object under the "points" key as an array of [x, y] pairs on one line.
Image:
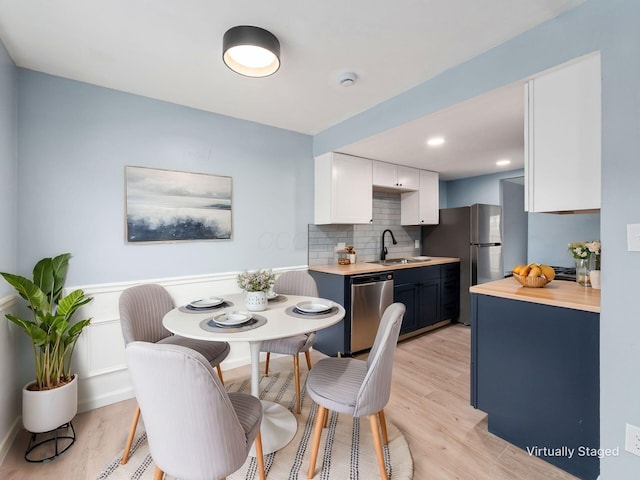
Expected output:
{"points": [[279, 425]]}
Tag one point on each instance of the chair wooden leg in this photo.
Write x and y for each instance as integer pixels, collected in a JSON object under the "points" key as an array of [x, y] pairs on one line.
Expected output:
{"points": [[158, 474], [296, 372], [326, 419], [373, 421], [308, 357], [220, 374], [317, 434], [266, 366], [383, 427], [132, 432], [259, 456]]}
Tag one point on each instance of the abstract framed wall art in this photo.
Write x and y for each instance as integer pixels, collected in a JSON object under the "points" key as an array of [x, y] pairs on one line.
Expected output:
{"points": [[173, 206]]}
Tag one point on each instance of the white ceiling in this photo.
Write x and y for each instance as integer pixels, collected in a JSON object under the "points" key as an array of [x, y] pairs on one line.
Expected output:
{"points": [[171, 50]]}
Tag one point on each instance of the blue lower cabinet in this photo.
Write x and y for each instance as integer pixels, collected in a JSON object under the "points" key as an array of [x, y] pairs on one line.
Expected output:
{"points": [[535, 372], [430, 293]]}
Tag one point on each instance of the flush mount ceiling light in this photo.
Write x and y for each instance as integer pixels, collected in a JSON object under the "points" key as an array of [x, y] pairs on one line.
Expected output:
{"points": [[503, 162], [251, 51], [435, 141]]}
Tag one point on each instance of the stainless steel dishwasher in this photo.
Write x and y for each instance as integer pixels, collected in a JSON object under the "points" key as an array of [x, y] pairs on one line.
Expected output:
{"points": [[371, 294]]}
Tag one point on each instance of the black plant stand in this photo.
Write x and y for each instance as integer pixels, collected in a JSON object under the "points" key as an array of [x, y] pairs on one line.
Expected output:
{"points": [[52, 436]]}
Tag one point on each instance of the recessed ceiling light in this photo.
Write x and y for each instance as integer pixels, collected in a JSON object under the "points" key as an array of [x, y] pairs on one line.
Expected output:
{"points": [[435, 141], [503, 162]]}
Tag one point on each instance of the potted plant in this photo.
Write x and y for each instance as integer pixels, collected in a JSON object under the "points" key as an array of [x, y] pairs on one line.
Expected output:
{"points": [[256, 284], [52, 399]]}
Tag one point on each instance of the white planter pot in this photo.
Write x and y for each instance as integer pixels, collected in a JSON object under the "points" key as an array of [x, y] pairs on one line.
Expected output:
{"points": [[255, 301], [45, 410], [594, 277]]}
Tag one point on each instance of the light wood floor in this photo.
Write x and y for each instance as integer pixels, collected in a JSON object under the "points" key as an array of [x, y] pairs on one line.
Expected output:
{"points": [[429, 404]]}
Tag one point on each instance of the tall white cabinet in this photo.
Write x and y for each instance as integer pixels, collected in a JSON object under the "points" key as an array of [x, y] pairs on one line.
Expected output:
{"points": [[563, 138], [422, 207], [343, 189]]}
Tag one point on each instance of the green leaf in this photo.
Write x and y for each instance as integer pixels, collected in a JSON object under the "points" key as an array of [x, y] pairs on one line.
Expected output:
{"points": [[43, 276], [60, 264], [29, 291], [50, 274], [69, 304], [76, 328], [25, 325]]}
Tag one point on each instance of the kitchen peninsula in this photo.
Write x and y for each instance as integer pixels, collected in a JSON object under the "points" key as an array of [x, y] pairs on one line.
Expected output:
{"points": [[535, 369]]}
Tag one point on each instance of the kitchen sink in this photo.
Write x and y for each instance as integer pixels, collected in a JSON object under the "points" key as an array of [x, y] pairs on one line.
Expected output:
{"points": [[401, 261]]}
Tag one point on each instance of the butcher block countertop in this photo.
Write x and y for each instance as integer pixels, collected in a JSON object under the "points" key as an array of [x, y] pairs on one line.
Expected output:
{"points": [[558, 293], [364, 267]]}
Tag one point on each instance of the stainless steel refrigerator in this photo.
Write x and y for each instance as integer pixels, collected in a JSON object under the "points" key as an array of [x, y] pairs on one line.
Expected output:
{"points": [[473, 234]]}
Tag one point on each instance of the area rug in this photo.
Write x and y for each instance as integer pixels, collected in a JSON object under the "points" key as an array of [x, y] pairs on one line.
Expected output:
{"points": [[346, 449]]}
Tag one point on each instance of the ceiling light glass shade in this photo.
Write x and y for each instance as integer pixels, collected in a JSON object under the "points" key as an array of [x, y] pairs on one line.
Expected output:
{"points": [[435, 141], [251, 51]]}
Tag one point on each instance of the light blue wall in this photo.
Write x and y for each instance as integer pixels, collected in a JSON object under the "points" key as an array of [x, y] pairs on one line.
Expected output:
{"points": [[8, 167], [550, 234], [9, 365], [515, 226], [74, 141], [481, 189], [610, 26]]}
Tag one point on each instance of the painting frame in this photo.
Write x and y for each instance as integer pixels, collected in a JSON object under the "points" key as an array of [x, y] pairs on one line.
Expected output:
{"points": [[173, 206]]}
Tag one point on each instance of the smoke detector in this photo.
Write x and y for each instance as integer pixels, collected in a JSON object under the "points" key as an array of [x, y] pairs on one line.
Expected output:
{"points": [[347, 79]]}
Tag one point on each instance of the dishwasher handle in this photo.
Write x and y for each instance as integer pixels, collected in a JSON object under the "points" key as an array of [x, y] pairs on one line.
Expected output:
{"points": [[369, 278]]}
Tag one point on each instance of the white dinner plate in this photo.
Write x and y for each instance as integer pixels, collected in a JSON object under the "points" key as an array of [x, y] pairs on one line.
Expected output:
{"points": [[207, 302], [232, 318], [313, 307]]}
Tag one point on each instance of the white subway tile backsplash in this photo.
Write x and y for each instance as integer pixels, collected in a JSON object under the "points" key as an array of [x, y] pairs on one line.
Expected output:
{"points": [[366, 238]]}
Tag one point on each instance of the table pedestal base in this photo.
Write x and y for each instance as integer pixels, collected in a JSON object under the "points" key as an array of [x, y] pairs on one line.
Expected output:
{"points": [[278, 427]]}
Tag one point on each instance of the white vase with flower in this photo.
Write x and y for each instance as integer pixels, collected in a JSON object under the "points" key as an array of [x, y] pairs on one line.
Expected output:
{"points": [[595, 250], [256, 284], [581, 257]]}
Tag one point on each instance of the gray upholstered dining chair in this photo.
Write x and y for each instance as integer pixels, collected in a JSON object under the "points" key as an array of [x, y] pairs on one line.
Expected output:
{"points": [[358, 387], [195, 429], [141, 310], [297, 282]]}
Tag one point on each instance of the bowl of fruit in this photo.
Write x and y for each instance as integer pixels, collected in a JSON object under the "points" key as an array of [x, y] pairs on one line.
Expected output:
{"points": [[534, 275]]}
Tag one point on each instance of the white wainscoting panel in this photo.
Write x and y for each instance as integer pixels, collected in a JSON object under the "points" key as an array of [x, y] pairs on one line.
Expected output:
{"points": [[99, 357], [10, 392]]}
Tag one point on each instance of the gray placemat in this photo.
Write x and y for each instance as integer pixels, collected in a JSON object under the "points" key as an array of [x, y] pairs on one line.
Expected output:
{"points": [[278, 298], [187, 309], [294, 312], [256, 321]]}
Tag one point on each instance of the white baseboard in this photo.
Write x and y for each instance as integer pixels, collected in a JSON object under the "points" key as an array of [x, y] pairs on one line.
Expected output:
{"points": [[8, 439]]}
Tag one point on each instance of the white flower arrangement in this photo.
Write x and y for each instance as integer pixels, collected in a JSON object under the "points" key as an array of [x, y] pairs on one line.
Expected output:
{"points": [[595, 249], [579, 250], [586, 250], [257, 281]]}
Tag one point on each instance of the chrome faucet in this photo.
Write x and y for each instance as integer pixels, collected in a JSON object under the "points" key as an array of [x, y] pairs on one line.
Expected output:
{"points": [[383, 253]]}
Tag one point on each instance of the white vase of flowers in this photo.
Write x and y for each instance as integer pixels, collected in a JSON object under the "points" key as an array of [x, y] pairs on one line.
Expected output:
{"points": [[595, 249], [256, 284]]}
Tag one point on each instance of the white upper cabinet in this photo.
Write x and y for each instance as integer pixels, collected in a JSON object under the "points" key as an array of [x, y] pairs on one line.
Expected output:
{"points": [[387, 176], [563, 137], [422, 207], [343, 189]]}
